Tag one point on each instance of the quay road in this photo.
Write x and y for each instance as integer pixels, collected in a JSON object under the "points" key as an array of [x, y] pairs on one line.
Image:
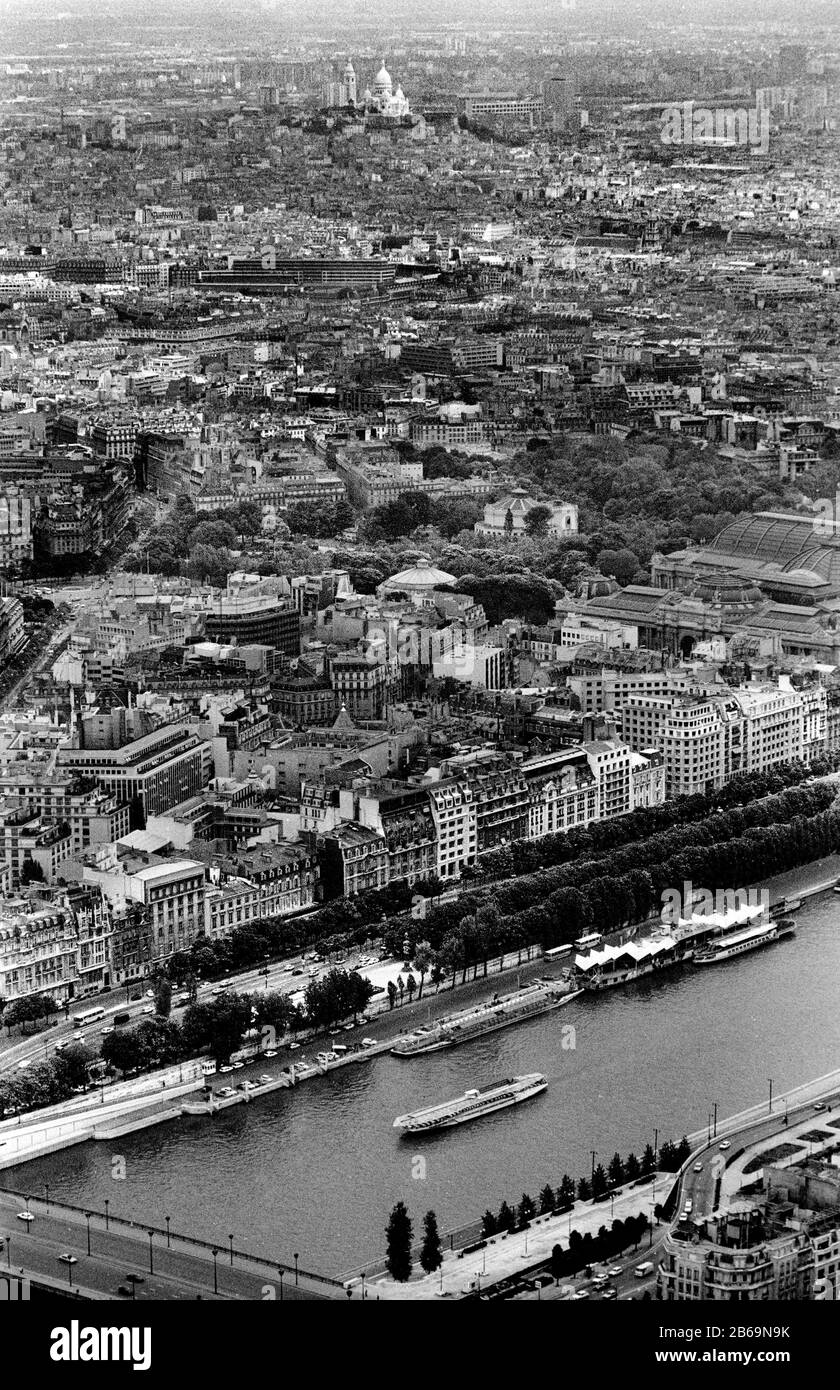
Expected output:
{"points": [[119, 1256], [288, 976], [793, 1115]]}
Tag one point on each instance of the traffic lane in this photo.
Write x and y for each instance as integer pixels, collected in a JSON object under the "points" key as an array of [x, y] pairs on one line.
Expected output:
{"points": [[70, 1230], [626, 1283], [115, 1255], [714, 1158]]}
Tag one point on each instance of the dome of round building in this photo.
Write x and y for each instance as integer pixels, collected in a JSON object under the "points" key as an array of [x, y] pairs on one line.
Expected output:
{"points": [[726, 589], [420, 577]]}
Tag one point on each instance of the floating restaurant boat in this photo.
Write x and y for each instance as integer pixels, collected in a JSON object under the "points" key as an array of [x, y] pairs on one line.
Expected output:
{"points": [[500, 1012], [473, 1104], [737, 943]]}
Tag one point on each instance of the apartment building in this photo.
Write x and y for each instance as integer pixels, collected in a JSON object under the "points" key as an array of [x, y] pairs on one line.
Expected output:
{"points": [[172, 894], [354, 859], [230, 905], [59, 947], [456, 827], [403, 817], [748, 1253], [363, 685], [38, 951], [499, 797], [263, 619], [155, 772], [708, 735], [286, 878]]}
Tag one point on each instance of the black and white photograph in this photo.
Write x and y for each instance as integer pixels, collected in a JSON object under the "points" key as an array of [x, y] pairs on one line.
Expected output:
{"points": [[419, 678]]}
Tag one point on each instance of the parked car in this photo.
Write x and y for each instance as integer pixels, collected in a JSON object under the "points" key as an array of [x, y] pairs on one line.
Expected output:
{"points": [[698, 1167], [725, 1145], [148, 1009]]}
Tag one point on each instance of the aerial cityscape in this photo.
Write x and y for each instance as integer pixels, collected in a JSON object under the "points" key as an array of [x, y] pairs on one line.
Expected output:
{"points": [[419, 652]]}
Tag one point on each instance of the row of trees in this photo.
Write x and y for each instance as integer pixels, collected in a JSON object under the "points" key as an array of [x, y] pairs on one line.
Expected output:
{"points": [[219, 1026], [604, 836], [586, 1249], [399, 1235], [555, 905], [33, 1009], [46, 1082], [670, 1157]]}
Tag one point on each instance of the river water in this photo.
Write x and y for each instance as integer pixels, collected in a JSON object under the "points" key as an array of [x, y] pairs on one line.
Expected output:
{"points": [[316, 1170]]}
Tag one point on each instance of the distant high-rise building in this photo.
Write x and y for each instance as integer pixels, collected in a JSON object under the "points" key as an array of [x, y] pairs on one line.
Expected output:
{"points": [[559, 99]]}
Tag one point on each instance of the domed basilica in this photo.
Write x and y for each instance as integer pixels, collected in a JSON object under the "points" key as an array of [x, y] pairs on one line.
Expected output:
{"points": [[384, 100]]}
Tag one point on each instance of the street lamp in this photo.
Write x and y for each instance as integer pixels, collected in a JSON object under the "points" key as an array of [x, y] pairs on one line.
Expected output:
{"points": [[282, 1272], [230, 1238], [215, 1272], [770, 1106], [87, 1219], [151, 1257], [107, 1204], [364, 1276], [296, 1268], [167, 1219], [47, 1196]]}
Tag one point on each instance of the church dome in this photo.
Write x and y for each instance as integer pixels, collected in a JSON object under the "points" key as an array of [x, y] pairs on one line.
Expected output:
{"points": [[383, 78]]}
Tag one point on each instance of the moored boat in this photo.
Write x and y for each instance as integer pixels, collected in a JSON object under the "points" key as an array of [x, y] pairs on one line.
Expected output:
{"points": [[473, 1104], [738, 943]]}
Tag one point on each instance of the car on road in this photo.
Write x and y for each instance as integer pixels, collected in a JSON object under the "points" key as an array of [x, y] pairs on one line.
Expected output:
{"points": [[109, 1028], [148, 1009], [581, 1293], [614, 1271], [150, 994], [126, 1290], [698, 1167], [25, 1215], [610, 1293], [68, 1259], [725, 1145], [819, 1106]]}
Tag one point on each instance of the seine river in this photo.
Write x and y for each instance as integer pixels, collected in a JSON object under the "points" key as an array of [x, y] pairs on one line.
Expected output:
{"points": [[316, 1170]]}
